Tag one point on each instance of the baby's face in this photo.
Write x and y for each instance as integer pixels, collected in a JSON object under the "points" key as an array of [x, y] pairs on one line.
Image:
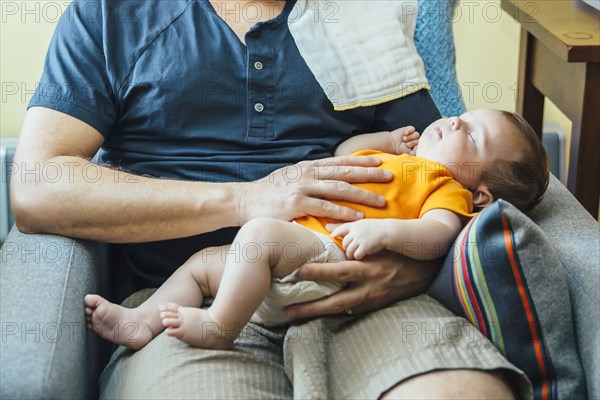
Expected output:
{"points": [[468, 144]]}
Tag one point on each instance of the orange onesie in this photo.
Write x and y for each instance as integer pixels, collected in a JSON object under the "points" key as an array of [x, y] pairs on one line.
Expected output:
{"points": [[418, 185]]}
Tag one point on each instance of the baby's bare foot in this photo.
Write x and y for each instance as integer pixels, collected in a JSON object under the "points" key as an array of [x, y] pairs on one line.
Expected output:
{"points": [[195, 327], [117, 324]]}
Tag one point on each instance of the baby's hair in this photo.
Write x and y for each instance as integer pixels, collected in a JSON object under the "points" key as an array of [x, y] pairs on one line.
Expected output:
{"points": [[523, 182]]}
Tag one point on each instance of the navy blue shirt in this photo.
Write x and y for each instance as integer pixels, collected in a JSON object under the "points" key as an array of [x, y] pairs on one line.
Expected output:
{"points": [[177, 95]]}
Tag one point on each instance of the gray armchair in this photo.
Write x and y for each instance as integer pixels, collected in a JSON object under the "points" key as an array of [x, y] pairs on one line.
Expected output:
{"points": [[47, 352]]}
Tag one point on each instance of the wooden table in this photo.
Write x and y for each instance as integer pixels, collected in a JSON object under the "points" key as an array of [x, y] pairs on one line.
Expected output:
{"points": [[560, 59]]}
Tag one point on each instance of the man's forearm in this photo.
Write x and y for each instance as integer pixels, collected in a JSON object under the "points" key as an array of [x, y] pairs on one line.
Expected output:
{"points": [[416, 276], [375, 282], [77, 198]]}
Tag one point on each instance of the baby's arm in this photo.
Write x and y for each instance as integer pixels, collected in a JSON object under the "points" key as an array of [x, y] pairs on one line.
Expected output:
{"points": [[399, 141], [426, 238]]}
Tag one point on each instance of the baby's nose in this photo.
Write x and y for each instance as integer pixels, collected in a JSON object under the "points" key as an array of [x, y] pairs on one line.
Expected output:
{"points": [[455, 122]]}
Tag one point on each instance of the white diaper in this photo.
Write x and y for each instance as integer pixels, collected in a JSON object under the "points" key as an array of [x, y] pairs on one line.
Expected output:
{"points": [[291, 290]]}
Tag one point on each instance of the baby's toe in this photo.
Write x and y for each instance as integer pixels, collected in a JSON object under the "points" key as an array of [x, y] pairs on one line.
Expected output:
{"points": [[171, 322], [92, 300], [174, 332], [169, 314]]}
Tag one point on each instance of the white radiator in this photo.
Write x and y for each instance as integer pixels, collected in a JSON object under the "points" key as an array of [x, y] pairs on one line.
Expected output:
{"points": [[6, 219], [593, 3], [556, 148]]}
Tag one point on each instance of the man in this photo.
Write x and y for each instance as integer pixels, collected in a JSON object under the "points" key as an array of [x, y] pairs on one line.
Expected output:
{"points": [[197, 107]]}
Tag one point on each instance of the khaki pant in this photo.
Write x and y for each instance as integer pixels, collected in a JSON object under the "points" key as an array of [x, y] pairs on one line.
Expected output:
{"points": [[358, 357]]}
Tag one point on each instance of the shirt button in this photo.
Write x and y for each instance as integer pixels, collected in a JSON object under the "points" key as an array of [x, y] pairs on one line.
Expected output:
{"points": [[258, 65], [258, 107]]}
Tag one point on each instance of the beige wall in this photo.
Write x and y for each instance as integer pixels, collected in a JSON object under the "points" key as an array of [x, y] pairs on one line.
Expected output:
{"points": [[486, 39], [487, 46], [487, 54], [25, 32]]}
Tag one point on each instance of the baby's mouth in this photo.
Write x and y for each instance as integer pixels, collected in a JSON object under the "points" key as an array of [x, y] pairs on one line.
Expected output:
{"points": [[439, 132]]}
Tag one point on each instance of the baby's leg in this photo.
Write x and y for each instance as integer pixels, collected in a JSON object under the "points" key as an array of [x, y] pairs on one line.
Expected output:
{"points": [[262, 249], [134, 327]]}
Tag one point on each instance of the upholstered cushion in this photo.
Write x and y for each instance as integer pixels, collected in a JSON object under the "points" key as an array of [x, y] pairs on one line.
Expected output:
{"points": [[505, 278], [46, 350]]}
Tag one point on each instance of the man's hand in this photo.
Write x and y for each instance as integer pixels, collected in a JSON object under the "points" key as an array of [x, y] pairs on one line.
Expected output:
{"points": [[306, 188], [361, 238], [405, 140], [377, 281]]}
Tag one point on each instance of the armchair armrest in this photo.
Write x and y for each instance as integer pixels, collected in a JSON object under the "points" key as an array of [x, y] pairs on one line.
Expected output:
{"points": [[575, 234], [47, 351]]}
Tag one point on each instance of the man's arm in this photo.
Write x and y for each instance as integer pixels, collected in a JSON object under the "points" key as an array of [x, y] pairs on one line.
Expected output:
{"points": [[68, 195], [399, 141], [56, 189]]}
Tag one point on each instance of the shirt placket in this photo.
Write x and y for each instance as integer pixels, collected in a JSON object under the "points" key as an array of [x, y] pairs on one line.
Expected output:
{"points": [[261, 99]]}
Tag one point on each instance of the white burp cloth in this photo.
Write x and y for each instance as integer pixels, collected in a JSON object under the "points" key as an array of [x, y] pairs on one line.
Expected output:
{"points": [[361, 52]]}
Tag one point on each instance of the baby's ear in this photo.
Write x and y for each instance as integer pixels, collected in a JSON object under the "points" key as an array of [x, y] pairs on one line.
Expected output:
{"points": [[482, 196]]}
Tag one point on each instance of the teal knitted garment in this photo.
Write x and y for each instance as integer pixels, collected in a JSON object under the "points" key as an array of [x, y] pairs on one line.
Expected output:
{"points": [[435, 43]]}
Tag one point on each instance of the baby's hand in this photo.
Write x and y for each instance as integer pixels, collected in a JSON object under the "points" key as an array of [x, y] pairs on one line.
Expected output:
{"points": [[405, 140], [361, 238]]}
